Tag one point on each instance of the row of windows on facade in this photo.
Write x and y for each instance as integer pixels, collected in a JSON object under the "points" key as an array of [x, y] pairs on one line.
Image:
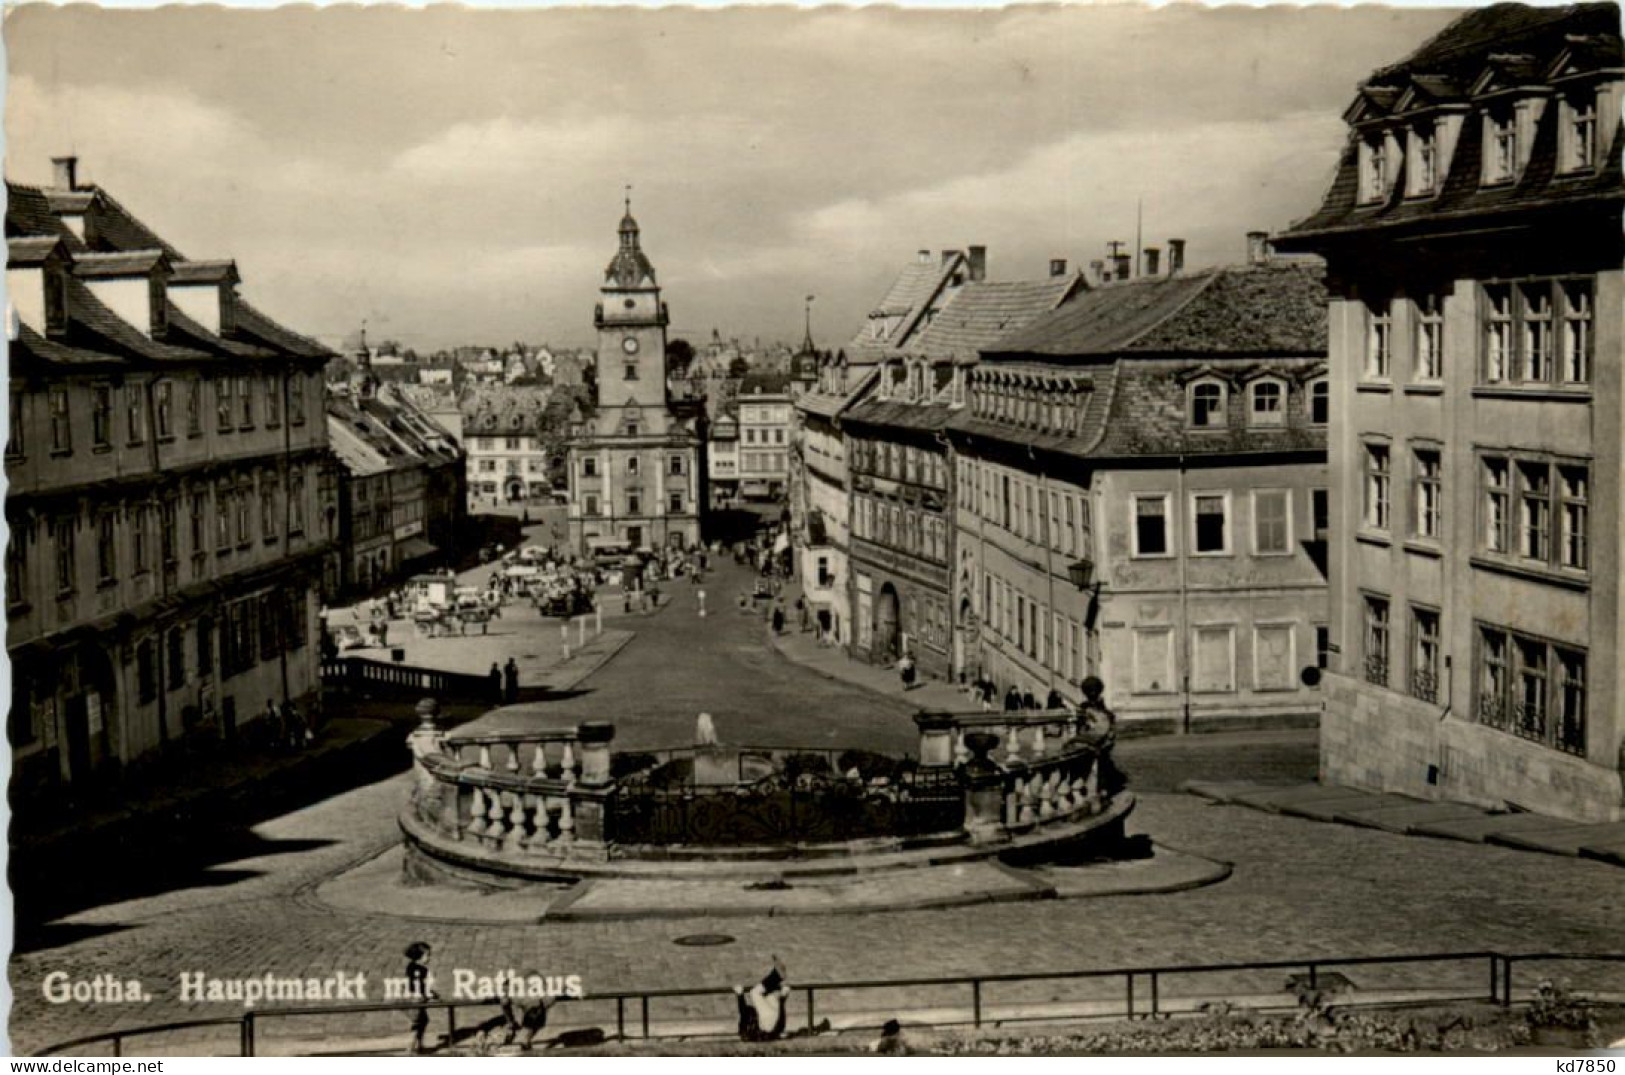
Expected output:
{"points": [[252, 630], [1532, 332], [1519, 497], [923, 617], [1532, 687], [1017, 504], [900, 526], [1425, 147], [675, 503], [1050, 405], [509, 444], [764, 415], [512, 466], [235, 405], [1213, 658], [1207, 401], [750, 436], [1055, 641], [1210, 522], [763, 462], [901, 461], [130, 538], [590, 468]]}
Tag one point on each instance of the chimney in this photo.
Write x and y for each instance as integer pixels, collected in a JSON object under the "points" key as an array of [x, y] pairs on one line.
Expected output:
{"points": [[1176, 256], [1123, 263], [947, 256], [1153, 259], [925, 257], [66, 172], [978, 262], [1057, 266], [1097, 271], [1258, 248]]}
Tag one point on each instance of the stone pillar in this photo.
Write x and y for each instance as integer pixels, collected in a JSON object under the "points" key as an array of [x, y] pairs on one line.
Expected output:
{"points": [[984, 790], [594, 737], [936, 739], [426, 739]]}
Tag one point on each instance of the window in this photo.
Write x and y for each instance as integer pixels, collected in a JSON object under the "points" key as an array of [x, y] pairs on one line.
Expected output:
{"points": [[1576, 333], [1320, 508], [1373, 169], [61, 426], [1524, 683], [138, 540], [167, 538], [1424, 149], [1571, 701], [1150, 525], [1272, 657], [1376, 640], [631, 371], [675, 465], [631, 464], [1530, 677], [246, 398], [101, 416], [175, 658], [162, 410], [1214, 659], [1379, 338], [589, 467], [16, 568], [1268, 403], [296, 399], [1497, 478], [1153, 660], [14, 429], [1536, 350], [510, 444], [1580, 130], [1207, 405], [1320, 402], [273, 402], [1211, 523], [224, 403], [1500, 147], [1425, 651], [591, 506], [1429, 365], [1534, 510], [634, 504], [1377, 484], [107, 548], [1497, 333], [194, 408], [1323, 646], [675, 503], [205, 646], [1272, 522], [223, 499], [268, 498], [245, 510], [1428, 494], [63, 536], [198, 535], [1573, 485]]}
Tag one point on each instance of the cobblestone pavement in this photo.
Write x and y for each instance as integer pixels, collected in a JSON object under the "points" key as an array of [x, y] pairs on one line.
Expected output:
{"points": [[1299, 889]]}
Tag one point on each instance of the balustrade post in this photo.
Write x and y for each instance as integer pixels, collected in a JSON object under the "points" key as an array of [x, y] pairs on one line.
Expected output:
{"points": [[936, 739], [513, 757], [567, 761], [476, 813], [594, 737], [515, 840], [984, 790], [485, 756]]}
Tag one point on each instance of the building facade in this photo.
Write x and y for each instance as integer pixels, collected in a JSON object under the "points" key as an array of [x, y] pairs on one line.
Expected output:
{"points": [[1138, 476], [1473, 239], [635, 468], [513, 441], [168, 510], [722, 460], [764, 411]]}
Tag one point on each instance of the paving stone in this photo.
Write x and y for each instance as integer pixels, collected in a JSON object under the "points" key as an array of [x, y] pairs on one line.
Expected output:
{"points": [[1328, 807], [1559, 837], [1479, 829], [1218, 792], [1406, 817]]}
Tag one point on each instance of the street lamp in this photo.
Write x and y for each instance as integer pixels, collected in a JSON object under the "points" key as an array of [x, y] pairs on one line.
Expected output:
{"points": [[1082, 574]]}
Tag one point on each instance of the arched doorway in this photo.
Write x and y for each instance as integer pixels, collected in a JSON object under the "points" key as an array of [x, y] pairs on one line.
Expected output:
{"points": [[90, 702], [514, 488], [887, 640]]}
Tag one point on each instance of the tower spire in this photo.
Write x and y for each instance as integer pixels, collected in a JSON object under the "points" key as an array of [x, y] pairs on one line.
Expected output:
{"points": [[629, 199], [807, 340]]}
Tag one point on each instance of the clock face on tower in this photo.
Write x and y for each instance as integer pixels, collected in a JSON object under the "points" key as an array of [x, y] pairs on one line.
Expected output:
{"points": [[630, 345]]}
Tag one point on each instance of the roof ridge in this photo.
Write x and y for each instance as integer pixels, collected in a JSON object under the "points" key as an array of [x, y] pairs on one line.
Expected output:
{"points": [[1179, 307]]}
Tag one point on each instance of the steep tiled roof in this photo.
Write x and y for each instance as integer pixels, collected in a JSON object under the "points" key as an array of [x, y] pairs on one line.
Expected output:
{"points": [[983, 311], [1148, 415], [1253, 309], [760, 382], [929, 417], [260, 329], [908, 298], [354, 451], [31, 348], [28, 212], [93, 327], [1518, 45], [185, 332]]}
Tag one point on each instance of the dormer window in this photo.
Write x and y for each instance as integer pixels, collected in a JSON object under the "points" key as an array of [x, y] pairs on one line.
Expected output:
{"points": [[1268, 403], [1320, 402], [1424, 162], [1579, 150], [1373, 168], [1207, 405], [1500, 147]]}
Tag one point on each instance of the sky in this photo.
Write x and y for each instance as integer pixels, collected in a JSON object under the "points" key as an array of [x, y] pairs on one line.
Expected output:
{"points": [[456, 176]]}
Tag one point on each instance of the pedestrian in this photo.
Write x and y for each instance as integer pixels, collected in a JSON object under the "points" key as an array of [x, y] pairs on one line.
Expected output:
{"points": [[293, 726], [806, 616], [383, 633], [763, 1007], [510, 675], [417, 987], [1028, 701], [494, 678], [273, 725], [905, 670], [778, 619], [1012, 699], [891, 1041], [1054, 700]]}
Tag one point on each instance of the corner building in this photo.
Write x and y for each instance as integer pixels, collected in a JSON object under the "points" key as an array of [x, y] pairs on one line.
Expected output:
{"points": [[1472, 234], [635, 466]]}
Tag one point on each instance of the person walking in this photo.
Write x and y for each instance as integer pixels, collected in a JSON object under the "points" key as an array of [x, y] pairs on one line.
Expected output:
{"points": [[1012, 699], [906, 670], [778, 619], [510, 677], [417, 987], [494, 678]]}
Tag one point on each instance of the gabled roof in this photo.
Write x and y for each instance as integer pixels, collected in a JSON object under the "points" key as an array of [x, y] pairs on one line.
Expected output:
{"points": [[28, 212], [984, 311], [910, 295], [1462, 47], [123, 263], [31, 251], [1248, 309], [204, 272]]}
